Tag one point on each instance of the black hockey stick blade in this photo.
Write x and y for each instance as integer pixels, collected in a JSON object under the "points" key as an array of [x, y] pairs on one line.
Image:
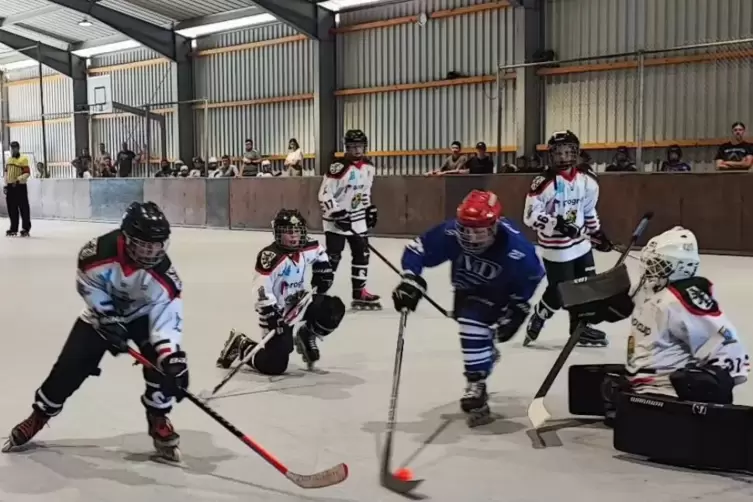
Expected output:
{"points": [[387, 478], [537, 412], [329, 477]]}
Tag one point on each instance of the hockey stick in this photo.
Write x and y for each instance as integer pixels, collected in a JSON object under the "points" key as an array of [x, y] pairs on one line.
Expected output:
{"points": [[291, 316], [329, 477], [387, 479], [442, 310], [537, 412]]}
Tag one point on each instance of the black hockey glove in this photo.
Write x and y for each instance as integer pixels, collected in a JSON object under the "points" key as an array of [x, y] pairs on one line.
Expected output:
{"points": [[322, 276], [175, 368], [270, 317], [341, 219], [513, 317], [566, 229], [407, 294], [113, 330], [372, 216], [601, 242]]}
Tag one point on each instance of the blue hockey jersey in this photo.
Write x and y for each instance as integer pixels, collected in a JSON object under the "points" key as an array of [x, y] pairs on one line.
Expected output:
{"points": [[508, 270]]}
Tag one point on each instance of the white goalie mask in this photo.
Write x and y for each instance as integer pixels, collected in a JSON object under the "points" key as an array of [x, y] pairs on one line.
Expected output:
{"points": [[669, 257]]}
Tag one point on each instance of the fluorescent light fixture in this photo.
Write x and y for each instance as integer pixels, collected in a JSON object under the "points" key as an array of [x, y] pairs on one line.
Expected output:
{"points": [[18, 65], [85, 23], [104, 49], [338, 5], [208, 29]]}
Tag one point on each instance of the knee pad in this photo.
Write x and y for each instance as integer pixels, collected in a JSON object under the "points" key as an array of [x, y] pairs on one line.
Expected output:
{"points": [[685, 433], [325, 314], [593, 389], [359, 249]]}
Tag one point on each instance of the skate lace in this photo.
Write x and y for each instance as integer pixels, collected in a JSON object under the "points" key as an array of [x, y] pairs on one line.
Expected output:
{"points": [[31, 426]]}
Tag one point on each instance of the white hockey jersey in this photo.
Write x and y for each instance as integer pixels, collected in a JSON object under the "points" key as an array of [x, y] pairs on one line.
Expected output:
{"points": [[347, 186], [681, 324], [572, 195], [282, 274], [111, 285]]}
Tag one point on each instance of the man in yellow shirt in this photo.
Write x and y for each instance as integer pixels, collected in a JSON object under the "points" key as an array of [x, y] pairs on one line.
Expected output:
{"points": [[17, 173]]}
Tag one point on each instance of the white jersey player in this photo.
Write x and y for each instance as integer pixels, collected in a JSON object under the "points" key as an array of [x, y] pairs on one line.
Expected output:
{"points": [[281, 269], [677, 324], [131, 292], [348, 214], [561, 208]]}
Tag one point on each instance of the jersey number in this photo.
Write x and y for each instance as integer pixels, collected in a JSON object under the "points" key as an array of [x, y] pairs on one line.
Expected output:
{"points": [[540, 223], [734, 365]]}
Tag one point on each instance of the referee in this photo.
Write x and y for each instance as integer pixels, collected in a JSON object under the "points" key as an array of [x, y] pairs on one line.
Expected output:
{"points": [[16, 193]]}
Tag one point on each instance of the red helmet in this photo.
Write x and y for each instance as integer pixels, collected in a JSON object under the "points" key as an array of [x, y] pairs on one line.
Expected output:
{"points": [[477, 219], [479, 209]]}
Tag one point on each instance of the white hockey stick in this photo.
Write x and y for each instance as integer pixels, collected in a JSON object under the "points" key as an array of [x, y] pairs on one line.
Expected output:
{"points": [[291, 318]]}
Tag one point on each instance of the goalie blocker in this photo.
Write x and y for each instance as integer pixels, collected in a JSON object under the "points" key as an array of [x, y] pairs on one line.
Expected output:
{"points": [[700, 429]]}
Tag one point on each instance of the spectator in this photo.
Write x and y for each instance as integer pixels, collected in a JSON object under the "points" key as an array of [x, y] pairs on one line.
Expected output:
{"points": [[99, 159], [175, 169], [251, 159], [227, 170], [674, 161], [735, 155], [621, 162], [41, 171], [481, 163], [124, 161], [16, 193], [453, 163], [585, 159], [212, 165], [106, 169], [183, 170], [199, 169], [164, 169], [526, 165], [294, 160], [508, 168]]}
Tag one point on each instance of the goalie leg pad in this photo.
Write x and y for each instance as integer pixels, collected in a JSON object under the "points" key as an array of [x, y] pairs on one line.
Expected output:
{"points": [[685, 433], [324, 314], [592, 388]]}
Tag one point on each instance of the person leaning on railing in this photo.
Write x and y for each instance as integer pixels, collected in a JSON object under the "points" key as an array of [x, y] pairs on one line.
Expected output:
{"points": [[735, 155], [17, 173]]}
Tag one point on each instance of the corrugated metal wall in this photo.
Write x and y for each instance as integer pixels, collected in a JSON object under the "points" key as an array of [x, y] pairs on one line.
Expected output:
{"points": [[259, 73], [425, 119], [136, 85], [679, 102]]}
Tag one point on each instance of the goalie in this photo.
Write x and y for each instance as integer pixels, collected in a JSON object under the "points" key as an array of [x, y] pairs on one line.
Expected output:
{"points": [[684, 358], [282, 267]]}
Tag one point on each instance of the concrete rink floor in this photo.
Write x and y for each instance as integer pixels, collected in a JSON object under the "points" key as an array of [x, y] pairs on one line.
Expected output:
{"points": [[97, 450]]}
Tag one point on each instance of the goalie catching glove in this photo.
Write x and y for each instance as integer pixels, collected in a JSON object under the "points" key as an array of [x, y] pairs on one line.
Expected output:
{"points": [[408, 293]]}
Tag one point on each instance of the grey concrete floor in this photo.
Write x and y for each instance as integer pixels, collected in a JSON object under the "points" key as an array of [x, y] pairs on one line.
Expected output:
{"points": [[97, 449]]}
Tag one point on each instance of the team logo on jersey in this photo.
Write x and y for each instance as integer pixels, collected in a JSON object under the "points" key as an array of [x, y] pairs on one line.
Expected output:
{"points": [[516, 255], [700, 299], [267, 259], [478, 268], [356, 201], [571, 216], [536, 183], [630, 347], [336, 168], [89, 250]]}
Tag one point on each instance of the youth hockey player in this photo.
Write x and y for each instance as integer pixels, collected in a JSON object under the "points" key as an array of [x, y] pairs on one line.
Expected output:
{"points": [[561, 208], [495, 271], [680, 340], [132, 292], [282, 267], [348, 214]]}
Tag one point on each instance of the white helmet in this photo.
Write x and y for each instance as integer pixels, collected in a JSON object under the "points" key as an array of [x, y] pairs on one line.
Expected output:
{"points": [[670, 257]]}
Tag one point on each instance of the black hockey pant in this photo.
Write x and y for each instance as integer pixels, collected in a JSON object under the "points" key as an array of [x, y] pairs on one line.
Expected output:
{"points": [[322, 317], [359, 250], [558, 272], [80, 358]]}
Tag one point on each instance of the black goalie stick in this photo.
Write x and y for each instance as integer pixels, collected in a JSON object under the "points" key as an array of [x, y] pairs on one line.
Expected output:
{"points": [[329, 477], [537, 412], [387, 478]]}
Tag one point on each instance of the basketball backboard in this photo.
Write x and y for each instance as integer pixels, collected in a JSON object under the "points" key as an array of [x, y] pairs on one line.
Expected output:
{"points": [[99, 94]]}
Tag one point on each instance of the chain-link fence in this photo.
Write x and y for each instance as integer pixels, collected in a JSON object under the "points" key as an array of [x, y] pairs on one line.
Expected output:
{"points": [[647, 101]]}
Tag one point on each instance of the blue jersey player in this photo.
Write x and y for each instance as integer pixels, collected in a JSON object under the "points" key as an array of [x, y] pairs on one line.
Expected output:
{"points": [[495, 271]]}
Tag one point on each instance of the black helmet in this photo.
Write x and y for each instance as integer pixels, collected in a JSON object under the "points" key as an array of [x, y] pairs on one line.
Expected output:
{"points": [[676, 150], [146, 232], [356, 143], [564, 149], [290, 231]]}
